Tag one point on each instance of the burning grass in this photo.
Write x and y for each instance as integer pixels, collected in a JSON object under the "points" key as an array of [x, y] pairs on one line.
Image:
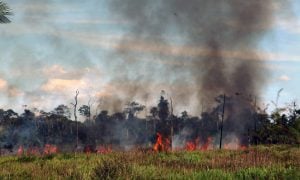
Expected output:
{"points": [[276, 162]]}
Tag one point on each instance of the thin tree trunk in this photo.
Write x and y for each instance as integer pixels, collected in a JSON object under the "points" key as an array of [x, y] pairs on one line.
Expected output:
{"points": [[75, 116]]}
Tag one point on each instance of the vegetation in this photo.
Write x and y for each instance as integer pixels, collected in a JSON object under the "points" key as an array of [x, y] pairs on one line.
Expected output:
{"points": [[36, 128], [275, 162], [4, 12]]}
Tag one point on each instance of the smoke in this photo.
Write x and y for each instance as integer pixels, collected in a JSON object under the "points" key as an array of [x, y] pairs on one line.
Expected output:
{"points": [[221, 28], [213, 41], [195, 48]]}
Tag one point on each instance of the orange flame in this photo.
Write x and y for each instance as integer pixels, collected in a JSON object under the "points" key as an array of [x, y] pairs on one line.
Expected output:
{"points": [[192, 145], [103, 150], [20, 151], [206, 145], [50, 149], [162, 144], [33, 151], [242, 147]]}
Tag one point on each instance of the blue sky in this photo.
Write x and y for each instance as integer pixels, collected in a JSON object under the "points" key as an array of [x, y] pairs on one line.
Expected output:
{"points": [[54, 47]]}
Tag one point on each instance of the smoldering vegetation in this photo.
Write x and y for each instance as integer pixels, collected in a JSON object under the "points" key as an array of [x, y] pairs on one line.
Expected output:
{"points": [[126, 130]]}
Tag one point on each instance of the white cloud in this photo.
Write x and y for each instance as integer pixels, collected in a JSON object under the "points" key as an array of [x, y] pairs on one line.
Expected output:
{"points": [[284, 78], [62, 85], [59, 72], [62, 82], [3, 84], [291, 25], [54, 70]]}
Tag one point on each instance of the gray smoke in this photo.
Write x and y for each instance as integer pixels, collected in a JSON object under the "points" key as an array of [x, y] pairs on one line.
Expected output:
{"points": [[220, 29], [216, 51]]}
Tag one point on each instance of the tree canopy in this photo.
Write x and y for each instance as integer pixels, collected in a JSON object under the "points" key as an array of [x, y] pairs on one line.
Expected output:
{"points": [[4, 12]]}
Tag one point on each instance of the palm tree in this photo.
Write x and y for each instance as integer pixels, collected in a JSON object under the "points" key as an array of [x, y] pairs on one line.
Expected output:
{"points": [[4, 11]]}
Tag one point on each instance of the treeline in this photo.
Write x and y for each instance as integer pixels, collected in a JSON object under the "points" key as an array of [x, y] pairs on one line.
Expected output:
{"points": [[125, 129]]}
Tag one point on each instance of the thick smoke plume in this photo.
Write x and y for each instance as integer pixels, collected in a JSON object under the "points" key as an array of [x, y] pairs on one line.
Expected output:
{"points": [[219, 28], [216, 52]]}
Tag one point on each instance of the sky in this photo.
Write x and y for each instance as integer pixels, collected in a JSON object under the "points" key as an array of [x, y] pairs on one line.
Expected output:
{"points": [[51, 48]]}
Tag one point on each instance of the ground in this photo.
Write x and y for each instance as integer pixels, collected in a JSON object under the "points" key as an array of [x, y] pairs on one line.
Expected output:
{"points": [[262, 162]]}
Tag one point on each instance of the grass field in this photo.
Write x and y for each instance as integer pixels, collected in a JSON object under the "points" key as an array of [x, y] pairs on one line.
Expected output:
{"points": [[276, 162]]}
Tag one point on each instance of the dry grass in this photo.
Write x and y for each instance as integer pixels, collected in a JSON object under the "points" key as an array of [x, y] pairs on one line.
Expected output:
{"points": [[277, 162]]}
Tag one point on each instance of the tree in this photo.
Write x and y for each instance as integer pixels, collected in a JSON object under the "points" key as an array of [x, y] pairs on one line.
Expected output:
{"points": [[154, 112], [102, 117], [4, 11], [75, 116], [85, 111], [62, 110], [184, 115], [5, 115], [133, 108], [28, 115], [163, 109]]}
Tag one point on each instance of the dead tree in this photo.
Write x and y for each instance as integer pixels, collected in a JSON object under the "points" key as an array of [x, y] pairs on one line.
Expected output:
{"points": [[90, 104], [172, 123], [75, 116], [222, 122]]}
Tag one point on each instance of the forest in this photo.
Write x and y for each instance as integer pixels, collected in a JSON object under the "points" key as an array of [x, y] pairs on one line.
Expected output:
{"points": [[126, 130]]}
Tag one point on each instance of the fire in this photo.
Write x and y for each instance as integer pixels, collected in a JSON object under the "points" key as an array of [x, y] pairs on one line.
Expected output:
{"points": [[103, 150], [226, 146], [88, 149], [207, 143], [243, 148], [50, 149], [33, 151], [20, 151], [162, 144], [192, 145]]}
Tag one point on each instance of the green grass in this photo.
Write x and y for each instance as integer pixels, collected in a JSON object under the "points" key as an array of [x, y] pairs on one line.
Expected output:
{"points": [[276, 162]]}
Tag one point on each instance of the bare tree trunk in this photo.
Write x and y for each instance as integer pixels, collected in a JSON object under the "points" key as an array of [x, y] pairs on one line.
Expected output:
{"points": [[75, 116], [222, 122], [172, 125]]}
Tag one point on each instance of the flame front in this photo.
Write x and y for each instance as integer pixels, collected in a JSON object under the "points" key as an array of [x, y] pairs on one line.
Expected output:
{"points": [[207, 144], [50, 149], [192, 145], [103, 149], [20, 150], [162, 143]]}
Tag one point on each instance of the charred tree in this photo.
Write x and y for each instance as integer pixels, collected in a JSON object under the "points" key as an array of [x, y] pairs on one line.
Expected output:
{"points": [[222, 121], [75, 116]]}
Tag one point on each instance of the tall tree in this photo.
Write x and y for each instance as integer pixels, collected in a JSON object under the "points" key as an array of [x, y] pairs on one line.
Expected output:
{"points": [[75, 115], [85, 111], [4, 12], [133, 108], [62, 110], [163, 109]]}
